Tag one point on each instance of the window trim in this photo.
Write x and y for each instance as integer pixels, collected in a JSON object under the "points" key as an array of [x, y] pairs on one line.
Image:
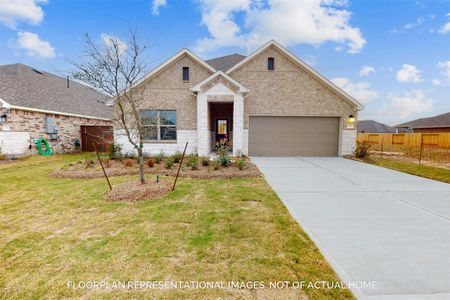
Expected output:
{"points": [[159, 125], [183, 73], [271, 63]]}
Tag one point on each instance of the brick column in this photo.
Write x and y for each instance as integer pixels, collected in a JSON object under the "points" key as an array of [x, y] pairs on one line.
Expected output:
{"points": [[203, 135], [238, 124]]}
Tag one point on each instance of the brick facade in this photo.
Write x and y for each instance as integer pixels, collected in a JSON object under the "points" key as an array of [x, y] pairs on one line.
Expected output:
{"points": [[33, 123]]}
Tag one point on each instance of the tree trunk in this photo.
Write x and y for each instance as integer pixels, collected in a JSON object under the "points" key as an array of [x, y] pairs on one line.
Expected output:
{"points": [[141, 163]]}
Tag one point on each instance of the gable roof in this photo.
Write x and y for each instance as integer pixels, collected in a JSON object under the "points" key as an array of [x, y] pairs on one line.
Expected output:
{"points": [[197, 87], [303, 65], [169, 61], [442, 120], [224, 63], [23, 87], [371, 126]]}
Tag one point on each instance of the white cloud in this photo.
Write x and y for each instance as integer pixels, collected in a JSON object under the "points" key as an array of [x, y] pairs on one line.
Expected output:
{"points": [[110, 40], [311, 22], [419, 21], [436, 82], [410, 103], [409, 73], [34, 45], [361, 91], [446, 27], [156, 5], [366, 70], [445, 67], [13, 11]]}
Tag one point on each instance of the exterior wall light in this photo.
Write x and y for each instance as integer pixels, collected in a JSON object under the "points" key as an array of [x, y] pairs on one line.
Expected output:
{"points": [[351, 119], [3, 118]]}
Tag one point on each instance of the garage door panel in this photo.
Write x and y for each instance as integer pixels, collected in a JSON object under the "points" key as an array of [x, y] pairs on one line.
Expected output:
{"points": [[293, 136]]}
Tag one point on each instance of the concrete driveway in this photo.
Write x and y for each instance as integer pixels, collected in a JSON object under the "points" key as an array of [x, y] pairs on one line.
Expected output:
{"points": [[372, 224]]}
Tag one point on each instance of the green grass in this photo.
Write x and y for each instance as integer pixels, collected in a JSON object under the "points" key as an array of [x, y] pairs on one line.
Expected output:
{"points": [[435, 173], [57, 230]]}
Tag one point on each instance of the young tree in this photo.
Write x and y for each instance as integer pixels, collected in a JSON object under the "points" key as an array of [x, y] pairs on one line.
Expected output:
{"points": [[114, 67]]}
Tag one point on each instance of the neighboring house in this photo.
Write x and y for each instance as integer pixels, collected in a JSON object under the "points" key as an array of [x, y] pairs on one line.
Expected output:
{"points": [[439, 123], [36, 104], [371, 126], [269, 103]]}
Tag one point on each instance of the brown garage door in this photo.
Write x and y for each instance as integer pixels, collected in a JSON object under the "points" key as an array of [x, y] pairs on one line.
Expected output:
{"points": [[293, 136]]}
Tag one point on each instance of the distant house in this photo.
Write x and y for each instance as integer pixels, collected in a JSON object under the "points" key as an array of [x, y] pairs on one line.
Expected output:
{"points": [[36, 104], [439, 123], [371, 126]]}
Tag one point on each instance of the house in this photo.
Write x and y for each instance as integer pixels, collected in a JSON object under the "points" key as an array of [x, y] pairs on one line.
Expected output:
{"points": [[436, 124], [35, 104], [371, 126], [269, 103]]}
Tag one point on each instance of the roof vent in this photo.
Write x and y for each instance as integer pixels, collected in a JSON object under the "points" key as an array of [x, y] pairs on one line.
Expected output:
{"points": [[37, 71]]}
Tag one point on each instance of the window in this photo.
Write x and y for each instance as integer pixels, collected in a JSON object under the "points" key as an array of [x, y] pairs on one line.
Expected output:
{"points": [[159, 125], [271, 64], [185, 73]]}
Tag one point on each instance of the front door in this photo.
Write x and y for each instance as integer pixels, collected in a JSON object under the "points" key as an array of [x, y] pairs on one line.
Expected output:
{"points": [[222, 131]]}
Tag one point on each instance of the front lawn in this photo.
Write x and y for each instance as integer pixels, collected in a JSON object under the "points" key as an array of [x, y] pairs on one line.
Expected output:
{"points": [[435, 173], [55, 230]]}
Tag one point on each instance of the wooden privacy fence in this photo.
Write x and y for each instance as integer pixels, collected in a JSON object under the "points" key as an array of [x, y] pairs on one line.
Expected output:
{"points": [[432, 148]]}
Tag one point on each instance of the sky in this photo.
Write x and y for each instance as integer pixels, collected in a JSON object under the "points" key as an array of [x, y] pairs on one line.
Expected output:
{"points": [[393, 56]]}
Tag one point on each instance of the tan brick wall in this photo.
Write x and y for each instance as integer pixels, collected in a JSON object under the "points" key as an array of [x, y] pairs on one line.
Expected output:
{"points": [[288, 90], [168, 91], [34, 123]]}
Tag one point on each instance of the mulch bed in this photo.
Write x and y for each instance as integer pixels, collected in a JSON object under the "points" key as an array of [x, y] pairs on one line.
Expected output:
{"points": [[134, 191], [117, 168]]}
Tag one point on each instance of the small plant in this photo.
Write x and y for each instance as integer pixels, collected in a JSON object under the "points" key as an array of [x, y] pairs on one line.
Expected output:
{"points": [[193, 162], [168, 164], [205, 161], [176, 157], [241, 164], [128, 162], [150, 163], [223, 157], [159, 158], [216, 165], [115, 151], [3, 157], [107, 162], [362, 150], [88, 162]]}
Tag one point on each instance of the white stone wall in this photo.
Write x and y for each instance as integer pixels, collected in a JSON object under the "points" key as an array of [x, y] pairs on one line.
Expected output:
{"points": [[245, 141], [348, 142], [238, 125], [14, 143], [156, 148], [203, 132]]}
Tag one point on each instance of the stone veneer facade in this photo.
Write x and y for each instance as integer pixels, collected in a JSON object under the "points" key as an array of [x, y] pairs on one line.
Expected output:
{"points": [[23, 126], [289, 90]]}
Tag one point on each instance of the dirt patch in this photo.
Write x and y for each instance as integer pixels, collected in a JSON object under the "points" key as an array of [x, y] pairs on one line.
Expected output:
{"points": [[134, 191], [83, 170]]}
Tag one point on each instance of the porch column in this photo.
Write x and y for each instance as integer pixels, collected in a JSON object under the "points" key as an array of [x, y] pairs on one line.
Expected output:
{"points": [[203, 135], [238, 124]]}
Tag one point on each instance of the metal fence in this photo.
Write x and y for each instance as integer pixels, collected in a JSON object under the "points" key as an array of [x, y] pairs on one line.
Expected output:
{"points": [[421, 148]]}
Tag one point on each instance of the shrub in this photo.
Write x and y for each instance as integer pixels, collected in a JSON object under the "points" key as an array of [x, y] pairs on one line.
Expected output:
{"points": [[241, 164], [176, 157], [193, 162], [205, 161], [216, 165], [88, 162], [128, 162], [159, 158], [150, 163], [223, 157], [168, 164], [115, 151], [3, 157], [362, 150]]}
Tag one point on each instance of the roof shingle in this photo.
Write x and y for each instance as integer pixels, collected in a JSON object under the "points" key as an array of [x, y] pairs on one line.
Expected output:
{"points": [[224, 63], [371, 126], [436, 121], [21, 85]]}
